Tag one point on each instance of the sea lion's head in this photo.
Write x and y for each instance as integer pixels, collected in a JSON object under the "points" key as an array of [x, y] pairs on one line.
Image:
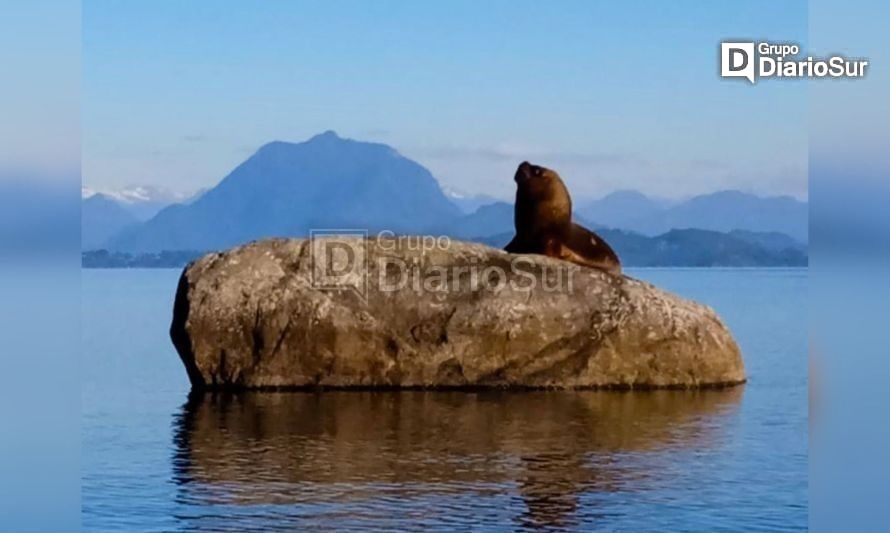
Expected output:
{"points": [[527, 172], [543, 204], [540, 183]]}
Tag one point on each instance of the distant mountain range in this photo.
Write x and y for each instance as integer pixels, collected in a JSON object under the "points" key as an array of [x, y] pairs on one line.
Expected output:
{"points": [[101, 218], [493, 219], [141, 201], [690, 248], [468, 203], [622, 209], [720, 211], [287, 189]]}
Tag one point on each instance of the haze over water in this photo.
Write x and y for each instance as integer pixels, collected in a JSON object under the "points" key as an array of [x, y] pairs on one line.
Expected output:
{"points": [[155, 459]]}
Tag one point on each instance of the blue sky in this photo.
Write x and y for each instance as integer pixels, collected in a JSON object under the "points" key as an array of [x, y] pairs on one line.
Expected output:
{"points": [[613, 95]]}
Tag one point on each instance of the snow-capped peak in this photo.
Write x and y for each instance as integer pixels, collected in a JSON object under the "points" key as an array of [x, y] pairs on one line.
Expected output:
{"points": [[139, 194], [453, 193]]}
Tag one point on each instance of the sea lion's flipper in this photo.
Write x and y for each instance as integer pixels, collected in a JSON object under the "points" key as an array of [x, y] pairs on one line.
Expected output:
{"points": [[586, 248], [606, 266], [553, 247]]}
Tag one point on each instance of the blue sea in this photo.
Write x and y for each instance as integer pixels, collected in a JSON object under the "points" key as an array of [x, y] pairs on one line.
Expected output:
{"points": [[156, 459]]}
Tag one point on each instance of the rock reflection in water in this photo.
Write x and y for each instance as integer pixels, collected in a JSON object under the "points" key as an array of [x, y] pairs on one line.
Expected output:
{"points": [[448, 459]]}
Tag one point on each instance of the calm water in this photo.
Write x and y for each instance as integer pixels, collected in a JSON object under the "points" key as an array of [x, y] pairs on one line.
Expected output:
{"points": [[155, 459]]}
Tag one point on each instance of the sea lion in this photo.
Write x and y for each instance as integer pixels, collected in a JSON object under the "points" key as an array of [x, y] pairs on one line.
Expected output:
{"points": [[543, 220]]}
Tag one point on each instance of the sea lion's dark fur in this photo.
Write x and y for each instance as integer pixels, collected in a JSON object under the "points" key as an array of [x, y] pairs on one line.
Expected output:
{"points": [[543, 220]]}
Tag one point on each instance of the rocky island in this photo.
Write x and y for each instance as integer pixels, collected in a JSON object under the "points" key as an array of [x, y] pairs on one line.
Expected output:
{"points": [[386, 312]]}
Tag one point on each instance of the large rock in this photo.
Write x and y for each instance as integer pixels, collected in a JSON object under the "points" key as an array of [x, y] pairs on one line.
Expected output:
{"points": [[395, 313]]}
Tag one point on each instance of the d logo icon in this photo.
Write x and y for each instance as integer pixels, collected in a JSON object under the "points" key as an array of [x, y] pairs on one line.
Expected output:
{"points": [[737, 60], [338, 259]]}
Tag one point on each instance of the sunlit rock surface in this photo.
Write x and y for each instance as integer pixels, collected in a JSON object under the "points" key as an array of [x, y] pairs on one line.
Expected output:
{"points": [[399, 313]]}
